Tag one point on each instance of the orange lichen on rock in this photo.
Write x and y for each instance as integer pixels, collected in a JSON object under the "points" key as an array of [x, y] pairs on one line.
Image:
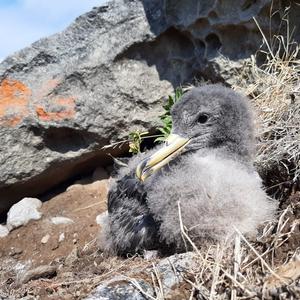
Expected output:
{"points": [[67, 110], [14, 100], [14, 103]]}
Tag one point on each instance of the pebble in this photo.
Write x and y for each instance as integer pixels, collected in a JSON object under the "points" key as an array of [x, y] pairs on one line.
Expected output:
{"points": [[15, 251], [150, 254], [61, 220], [72, 257], [45, 239], [102, 218], [22, 212], [61, 237]]}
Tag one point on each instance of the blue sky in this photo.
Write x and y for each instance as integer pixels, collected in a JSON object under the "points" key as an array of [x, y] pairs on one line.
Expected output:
{"points": [[24, 21]]}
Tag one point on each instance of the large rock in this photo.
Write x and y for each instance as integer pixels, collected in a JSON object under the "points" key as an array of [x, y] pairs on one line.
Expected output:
{"points": [[66, 96]]}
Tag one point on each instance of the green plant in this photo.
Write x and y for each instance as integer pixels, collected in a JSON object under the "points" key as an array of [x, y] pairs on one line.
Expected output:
{"points": [[166, 118], [136, 137], [135, 140]]}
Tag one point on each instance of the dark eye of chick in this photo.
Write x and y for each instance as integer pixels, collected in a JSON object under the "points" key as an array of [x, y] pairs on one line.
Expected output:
{"points": [[202, 118]]}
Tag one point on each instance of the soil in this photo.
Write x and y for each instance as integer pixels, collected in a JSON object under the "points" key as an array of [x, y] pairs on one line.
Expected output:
{"points": [[71, 248], [81, 204]]}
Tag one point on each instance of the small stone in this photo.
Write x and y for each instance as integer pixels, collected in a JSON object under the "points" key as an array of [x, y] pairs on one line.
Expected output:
{"points": [[61, 220], [39, 272], [45, 239], [61, 237], [3, 231], [66, 275], [15, 251], [102, 218], [60, 267], [150, 254], [22, 212]]}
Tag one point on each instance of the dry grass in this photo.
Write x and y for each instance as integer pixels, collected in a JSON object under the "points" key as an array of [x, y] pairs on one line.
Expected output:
{"points": [[247, 270], [274, 88], [265, 267]]}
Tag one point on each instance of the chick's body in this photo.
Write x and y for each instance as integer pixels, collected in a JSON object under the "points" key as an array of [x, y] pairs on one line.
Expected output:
{"points": [[216, 195]]}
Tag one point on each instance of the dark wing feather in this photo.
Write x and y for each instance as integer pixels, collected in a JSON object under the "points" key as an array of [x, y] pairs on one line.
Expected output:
{"points": [[127, 187], [132, 227]]}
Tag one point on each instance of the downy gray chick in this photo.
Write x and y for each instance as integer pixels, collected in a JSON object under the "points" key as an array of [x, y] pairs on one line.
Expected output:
{"points": [[204, 168]]}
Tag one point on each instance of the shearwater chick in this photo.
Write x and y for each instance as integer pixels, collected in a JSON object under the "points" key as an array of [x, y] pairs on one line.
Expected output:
{"points": [[204, 170]]}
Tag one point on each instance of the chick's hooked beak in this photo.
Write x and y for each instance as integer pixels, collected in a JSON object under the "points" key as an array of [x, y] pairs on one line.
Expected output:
{"points": [[173, 146]]}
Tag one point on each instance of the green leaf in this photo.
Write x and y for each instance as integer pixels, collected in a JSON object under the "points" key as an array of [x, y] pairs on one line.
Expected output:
{"points": [[166, 118]]}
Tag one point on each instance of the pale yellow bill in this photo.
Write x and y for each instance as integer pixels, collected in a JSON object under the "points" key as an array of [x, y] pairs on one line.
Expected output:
{"points": [[173, 146]]}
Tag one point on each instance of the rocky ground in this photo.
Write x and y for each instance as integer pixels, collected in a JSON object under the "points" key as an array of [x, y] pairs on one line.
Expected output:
{"points": [[58, 257], [66, 233]]}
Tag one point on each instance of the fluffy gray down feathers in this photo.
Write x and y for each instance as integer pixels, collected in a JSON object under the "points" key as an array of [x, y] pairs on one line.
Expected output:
{"points": [[217, 189], [215, 194]]}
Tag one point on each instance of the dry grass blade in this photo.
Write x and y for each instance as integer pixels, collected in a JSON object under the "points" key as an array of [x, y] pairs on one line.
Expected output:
{"points": [[237, 262], [264, 37], [242, 287], [259, 256], [161, 290], [216, 272], [184, 234]]}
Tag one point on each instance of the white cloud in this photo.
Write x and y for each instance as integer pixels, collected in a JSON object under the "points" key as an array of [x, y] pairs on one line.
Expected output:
{"points": [[26, 21]]}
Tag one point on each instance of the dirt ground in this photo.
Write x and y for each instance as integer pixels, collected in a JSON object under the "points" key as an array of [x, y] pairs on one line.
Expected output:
{"points": [[81, 204], [69, 248]]}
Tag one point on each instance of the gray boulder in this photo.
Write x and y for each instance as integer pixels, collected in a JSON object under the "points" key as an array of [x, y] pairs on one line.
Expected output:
{"points": [[66, 96]]}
